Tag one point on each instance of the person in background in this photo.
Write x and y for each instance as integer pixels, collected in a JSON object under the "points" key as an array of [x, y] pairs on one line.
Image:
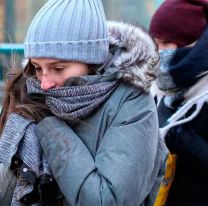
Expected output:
{"points": [[180, 29], [101, 145]]}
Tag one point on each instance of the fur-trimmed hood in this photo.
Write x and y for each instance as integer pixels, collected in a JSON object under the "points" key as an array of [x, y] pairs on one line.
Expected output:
{"points": [[139, 58]]}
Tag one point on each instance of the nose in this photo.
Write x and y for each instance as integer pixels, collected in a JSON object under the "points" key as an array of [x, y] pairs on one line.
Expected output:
{"points": [[47, 83]]}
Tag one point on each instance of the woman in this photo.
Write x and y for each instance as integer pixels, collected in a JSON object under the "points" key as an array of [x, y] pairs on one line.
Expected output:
{"points": [[182, 111], [102, 145]]}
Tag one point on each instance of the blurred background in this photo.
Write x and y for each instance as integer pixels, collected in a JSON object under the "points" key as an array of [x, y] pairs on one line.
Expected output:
{"points": [[16, 15]]}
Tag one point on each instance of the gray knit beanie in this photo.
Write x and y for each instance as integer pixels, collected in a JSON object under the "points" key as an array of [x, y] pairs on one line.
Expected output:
{"points": [[73, 30]]}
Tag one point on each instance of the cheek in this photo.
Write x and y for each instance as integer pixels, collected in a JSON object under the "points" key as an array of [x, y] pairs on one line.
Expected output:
{"points": [[83, 71], [59, 79]]}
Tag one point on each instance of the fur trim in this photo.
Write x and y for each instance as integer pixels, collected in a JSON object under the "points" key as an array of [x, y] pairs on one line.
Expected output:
{"points": [[139, 58]]}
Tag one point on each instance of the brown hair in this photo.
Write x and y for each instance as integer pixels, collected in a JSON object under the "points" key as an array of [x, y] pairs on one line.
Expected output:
{"points": [[16, 100]]}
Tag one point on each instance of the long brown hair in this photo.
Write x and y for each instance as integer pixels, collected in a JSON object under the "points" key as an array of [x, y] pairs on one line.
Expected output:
{"points": [[16, 100]]}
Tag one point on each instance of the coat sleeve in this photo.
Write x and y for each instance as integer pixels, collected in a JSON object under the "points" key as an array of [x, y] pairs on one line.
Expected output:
{"points": [[191, 147], [120, 173]]}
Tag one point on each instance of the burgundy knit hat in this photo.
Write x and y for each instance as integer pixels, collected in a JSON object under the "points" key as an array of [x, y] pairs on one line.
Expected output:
{"points": [[180, 21]]}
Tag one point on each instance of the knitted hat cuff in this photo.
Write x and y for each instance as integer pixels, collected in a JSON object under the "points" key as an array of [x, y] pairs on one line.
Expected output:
{"points": [[91, 52]]}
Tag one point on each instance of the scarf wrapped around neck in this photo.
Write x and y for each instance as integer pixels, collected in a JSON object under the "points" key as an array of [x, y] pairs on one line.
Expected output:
{"points": [[74, 102], [164, 79], [79, 96]]}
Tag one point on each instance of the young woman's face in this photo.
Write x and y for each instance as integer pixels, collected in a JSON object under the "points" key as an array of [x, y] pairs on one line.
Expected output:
{"points": [[52, 73]]}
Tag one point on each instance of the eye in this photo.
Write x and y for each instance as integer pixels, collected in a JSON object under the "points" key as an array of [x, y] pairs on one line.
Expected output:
{"points": [[37, 69], [58, 69]]}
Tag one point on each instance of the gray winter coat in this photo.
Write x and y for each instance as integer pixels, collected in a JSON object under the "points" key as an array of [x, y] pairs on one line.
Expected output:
{"points": [[114, 156]]}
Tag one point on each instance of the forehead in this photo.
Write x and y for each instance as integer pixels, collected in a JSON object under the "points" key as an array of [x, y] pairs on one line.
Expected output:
{"points": [[44, 61]]}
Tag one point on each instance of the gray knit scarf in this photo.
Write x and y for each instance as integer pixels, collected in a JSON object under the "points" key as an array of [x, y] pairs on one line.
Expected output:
{"points": [[74, 102]]}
